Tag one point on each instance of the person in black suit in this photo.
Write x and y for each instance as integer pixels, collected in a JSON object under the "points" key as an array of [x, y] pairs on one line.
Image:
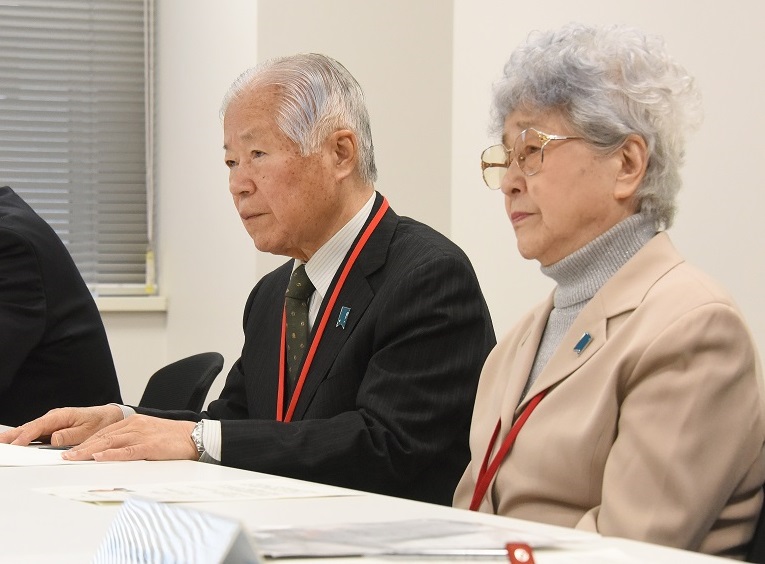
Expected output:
{"points": [[399, 329], [53, 347]]}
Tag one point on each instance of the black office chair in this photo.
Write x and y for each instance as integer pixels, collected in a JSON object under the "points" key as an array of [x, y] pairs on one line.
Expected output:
{"points": [[182, 384]]}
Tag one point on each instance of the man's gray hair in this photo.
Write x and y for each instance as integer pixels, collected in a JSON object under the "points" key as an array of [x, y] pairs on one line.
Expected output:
{"points": [[609, 82], [318, 96]]}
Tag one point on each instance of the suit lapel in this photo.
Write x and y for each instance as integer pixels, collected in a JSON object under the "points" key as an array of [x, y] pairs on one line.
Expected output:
{"points": [[355, 294], [262, 346], [592, 321], [622, 293], [523, 360]]}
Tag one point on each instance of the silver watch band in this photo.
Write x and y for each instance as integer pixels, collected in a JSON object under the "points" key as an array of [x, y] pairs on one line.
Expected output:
{"points": [[197, 436]]}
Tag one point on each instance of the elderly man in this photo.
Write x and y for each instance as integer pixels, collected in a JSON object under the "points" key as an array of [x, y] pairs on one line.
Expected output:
{"points": [[365, 374]]}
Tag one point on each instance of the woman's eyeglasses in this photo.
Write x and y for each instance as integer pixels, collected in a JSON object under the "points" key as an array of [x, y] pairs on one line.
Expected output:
{"points": [[528, 152]]}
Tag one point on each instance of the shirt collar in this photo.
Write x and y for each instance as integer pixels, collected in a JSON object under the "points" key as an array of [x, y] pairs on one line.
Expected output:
{"points": [[325, 262]]}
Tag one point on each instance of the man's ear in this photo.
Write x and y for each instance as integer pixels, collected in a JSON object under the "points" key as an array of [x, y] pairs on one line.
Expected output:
{"points": [[633, 161], [343, 148]]}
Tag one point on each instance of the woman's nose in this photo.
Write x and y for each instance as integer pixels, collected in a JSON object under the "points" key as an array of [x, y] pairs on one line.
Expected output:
{"points": [[513, 181]]}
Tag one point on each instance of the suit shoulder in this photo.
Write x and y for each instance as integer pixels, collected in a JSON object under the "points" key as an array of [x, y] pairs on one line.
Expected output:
{"points": [[21, 226], [16, 238], [423, 242], [690, 285]]}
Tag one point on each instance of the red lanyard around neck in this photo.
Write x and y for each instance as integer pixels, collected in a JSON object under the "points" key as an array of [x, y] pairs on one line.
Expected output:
{"points": [[322, 324], [489, 469]]}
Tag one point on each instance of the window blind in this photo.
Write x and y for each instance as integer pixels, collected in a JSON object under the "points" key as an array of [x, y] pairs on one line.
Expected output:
{"points": [[75, 141]]}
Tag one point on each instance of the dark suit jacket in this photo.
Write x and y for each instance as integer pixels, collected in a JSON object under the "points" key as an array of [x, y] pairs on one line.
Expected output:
{"points": [[386, 405], [53, 347]]}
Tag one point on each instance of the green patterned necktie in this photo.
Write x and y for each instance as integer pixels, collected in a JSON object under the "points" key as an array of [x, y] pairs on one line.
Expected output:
{"points": [[298, 293]]}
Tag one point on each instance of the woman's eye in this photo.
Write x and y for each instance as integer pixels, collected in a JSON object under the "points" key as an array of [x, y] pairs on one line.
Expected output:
{"points": [[257, 154], [230, 163]]}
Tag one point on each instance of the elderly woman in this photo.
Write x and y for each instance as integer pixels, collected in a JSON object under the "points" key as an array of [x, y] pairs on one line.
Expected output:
{"points": [[630, 402]]}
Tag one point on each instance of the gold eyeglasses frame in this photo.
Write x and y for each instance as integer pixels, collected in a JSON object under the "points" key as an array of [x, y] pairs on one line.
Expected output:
{"points": [[520, 160]]}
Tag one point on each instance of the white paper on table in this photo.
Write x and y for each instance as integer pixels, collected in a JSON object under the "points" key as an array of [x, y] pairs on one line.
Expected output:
{"points": [[189, 492], [602, 555], [413, 537], [12, 455]]}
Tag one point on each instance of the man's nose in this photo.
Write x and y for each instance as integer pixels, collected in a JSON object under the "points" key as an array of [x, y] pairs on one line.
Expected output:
{"points": [[239, 182]]}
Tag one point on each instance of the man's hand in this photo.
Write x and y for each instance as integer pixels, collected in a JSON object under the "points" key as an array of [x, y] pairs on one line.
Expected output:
{"points": [[139, 437], [64, 426]]}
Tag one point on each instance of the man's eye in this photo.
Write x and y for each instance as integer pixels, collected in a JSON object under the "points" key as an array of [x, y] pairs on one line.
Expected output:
{"points": [[230, 163]]}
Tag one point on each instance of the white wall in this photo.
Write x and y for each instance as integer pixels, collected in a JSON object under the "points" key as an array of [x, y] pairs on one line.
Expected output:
{"points": [[426, 67], [207, 263], [400, 52], [720, 219]]}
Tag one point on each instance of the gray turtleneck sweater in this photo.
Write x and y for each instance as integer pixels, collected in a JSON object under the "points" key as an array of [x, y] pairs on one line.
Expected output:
{"points": [[581, 274]]}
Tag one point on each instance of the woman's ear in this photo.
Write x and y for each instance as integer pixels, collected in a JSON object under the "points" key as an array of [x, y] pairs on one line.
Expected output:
{"points": [[633, 158]]}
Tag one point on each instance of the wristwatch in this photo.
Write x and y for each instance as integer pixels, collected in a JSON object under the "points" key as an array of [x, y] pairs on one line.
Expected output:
{"points": [[196, 436]]}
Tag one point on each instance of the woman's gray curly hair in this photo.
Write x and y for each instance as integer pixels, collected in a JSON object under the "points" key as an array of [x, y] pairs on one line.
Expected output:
{"points": [[609, 82]]}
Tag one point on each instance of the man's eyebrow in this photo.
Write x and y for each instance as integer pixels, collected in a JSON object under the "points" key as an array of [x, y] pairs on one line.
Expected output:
{"points": [[248, 135]]}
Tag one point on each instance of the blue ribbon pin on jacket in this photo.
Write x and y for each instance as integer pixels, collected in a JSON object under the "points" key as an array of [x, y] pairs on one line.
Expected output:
{"points": [[582, 343], [343, 317]]}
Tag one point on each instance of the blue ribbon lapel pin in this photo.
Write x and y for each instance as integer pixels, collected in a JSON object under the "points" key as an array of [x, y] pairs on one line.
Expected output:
{"points": [[343, 317], [582, 343]]}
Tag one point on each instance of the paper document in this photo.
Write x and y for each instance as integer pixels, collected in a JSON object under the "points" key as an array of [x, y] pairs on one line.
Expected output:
{"points": [[601, 555], [189, 492], [414, 537], [147, 531], [12, 455]]}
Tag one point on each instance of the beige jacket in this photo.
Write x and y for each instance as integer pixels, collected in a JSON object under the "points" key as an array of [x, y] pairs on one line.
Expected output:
{"points": [[654, 432]]}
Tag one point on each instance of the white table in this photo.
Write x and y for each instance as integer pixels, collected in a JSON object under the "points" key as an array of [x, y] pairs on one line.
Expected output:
{"points": [[39, 527]]}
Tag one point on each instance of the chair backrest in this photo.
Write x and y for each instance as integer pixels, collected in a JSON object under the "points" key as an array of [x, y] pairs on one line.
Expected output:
{"points": [[756, 551], [182, 384]]}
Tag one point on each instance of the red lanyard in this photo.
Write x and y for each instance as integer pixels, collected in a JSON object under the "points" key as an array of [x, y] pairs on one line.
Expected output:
{"points": [[489, 470], [322, 324]]}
